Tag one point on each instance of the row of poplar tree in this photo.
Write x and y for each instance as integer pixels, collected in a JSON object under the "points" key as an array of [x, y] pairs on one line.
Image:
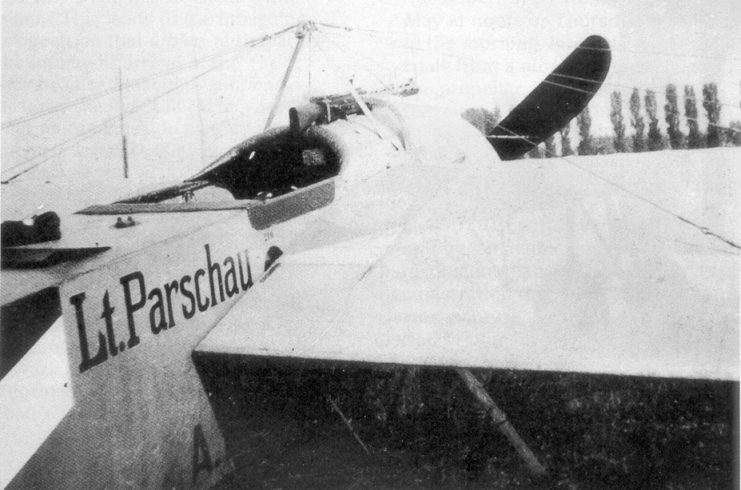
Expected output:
{"points": [[644, 119]]}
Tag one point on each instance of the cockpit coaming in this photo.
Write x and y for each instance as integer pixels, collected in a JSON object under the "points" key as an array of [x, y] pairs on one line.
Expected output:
{"points": [[316, 145], [275, 163]]}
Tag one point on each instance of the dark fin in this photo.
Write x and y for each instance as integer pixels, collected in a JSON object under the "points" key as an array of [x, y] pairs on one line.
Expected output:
{"points": [[556, 101]]}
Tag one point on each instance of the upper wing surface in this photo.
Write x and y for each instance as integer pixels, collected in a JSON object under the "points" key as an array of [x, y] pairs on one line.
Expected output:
{"points": [[533, 264]]}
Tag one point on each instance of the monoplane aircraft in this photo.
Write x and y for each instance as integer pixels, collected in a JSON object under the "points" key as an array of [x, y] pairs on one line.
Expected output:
{"points": [[369, 230]]}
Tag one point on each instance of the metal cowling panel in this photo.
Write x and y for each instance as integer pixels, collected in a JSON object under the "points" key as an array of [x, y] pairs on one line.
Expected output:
{"points": [[292, 205]]}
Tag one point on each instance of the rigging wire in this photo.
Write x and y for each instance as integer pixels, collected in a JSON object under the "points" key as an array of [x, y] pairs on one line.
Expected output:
{"points": [[494, 63], [475, 61], [568, 87], [64, 177], [645, 89], [341, 49], [327, 59], [104, 124], [252, 43], [704, 229], [369, 32], [349, 29], [138, 81], [390, 71], [337, 68], [97, 128]]}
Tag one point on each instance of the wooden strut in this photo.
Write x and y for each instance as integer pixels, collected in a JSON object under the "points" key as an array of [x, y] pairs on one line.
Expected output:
{"points": [[500, 421], [302, 30]]}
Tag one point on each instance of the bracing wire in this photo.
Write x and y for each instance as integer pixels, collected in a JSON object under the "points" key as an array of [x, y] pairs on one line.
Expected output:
{"points": [[349, 29], [318, 45], [324, 37], [372, 33], [703, 229], [138, 81], [628, 87], [49, 153], [457, 56], [550, 82], [97, 128], [97, 95], [726, 128]]}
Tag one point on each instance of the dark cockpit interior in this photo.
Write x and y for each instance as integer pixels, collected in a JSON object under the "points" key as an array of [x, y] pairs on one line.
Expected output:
{"points": [[264, 166], [275, 164]]}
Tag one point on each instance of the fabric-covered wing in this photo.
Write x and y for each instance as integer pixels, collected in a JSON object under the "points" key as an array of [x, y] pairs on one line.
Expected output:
{"points": [[529, 265]]}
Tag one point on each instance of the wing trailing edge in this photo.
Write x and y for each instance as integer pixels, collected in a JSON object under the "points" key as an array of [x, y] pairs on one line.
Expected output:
{"points": [[568, 274]]}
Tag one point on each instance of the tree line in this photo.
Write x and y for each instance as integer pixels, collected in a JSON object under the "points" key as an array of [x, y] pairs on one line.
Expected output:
{"points": [[643, 118]]}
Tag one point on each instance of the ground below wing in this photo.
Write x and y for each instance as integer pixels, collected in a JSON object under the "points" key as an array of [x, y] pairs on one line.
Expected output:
{"points": [[532, 264]]}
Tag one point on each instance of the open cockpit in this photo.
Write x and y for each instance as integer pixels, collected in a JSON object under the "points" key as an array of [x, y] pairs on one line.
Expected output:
{"points": [[283, 159], [274, 163], [264, 166]]}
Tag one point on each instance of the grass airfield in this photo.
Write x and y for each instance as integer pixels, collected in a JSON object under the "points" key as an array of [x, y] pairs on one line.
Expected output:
{"points": [[425, 430]]}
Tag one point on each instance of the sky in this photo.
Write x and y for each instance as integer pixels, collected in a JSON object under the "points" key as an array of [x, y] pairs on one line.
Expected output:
{"points": [[462, 54]]}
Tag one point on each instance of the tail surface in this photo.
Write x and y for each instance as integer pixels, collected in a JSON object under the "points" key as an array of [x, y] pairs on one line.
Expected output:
{"points": [[552, 104]]}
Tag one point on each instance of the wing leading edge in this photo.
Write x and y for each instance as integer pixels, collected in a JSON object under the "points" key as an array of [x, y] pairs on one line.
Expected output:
{"points": [[537, 268]]}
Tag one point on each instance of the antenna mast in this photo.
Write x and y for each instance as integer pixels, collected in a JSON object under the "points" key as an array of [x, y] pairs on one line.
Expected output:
{"points": [[123, 134]]}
